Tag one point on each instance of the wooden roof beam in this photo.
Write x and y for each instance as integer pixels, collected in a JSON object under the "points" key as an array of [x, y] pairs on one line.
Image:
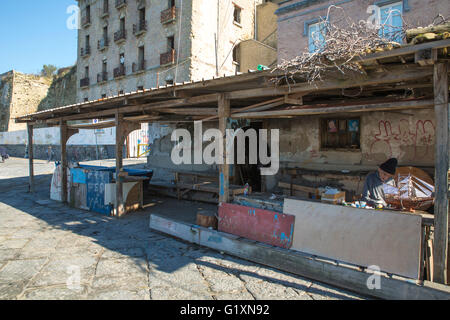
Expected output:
{"points": [[398, 105]]}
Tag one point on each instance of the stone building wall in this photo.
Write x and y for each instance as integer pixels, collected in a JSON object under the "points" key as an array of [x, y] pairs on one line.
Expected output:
{"points": [[292, 16], [27, 93], [6, 84], [409, 136], [256, 53], [154, 41], [22, 94], [62, 91], [194, 43]]}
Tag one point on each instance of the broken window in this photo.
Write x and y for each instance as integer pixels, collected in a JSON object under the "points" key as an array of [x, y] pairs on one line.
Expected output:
{"points": [[170, 43], [105, 6], [316, 36], [340, 133], [141, 58], [122, 25], [141, 16], [237, 14], [236, 57], [391, 24]]}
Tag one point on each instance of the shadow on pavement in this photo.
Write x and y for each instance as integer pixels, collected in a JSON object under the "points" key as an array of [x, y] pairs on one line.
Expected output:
{"points": [[127, 237]]}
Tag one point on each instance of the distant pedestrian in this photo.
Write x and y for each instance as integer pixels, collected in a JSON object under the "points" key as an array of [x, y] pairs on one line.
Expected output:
{"points": [[3, 154], [50, 154]]}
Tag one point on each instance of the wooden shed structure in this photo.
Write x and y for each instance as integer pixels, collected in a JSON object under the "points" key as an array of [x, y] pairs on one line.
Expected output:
{"points": [[423, 67]]}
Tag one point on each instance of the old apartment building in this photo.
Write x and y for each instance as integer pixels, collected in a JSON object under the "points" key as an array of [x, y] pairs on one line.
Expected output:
{"points": [[128, 45], [299, 21]]}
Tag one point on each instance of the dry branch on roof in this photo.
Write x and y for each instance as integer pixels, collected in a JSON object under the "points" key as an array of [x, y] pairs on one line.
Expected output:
{"points": [[343, 41]]}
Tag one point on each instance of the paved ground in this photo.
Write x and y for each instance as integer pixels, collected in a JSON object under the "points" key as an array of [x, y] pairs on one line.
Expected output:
{"points": [[49, 251]]}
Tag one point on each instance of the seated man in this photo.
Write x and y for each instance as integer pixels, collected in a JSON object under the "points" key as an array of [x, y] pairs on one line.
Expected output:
{"points": [[373, 192]]}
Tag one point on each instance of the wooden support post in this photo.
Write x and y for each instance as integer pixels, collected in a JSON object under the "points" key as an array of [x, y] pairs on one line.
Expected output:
{"points": [[224, 171], [30, 158], [64, 163], [120, 207], [440, 251]]}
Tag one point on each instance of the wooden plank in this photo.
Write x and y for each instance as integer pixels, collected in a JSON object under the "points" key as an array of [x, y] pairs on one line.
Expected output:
{"points": [[209, 98], [362, 237], [441, 218], [96, 188], [292, 186], [389, 106], [100, 125], [224, 168], [406, 50], [64, 163], [391, 75], [30, 158], [254, 107], [300, 264], [411, 33], [119, 205], [190, 111], [269, 227]]}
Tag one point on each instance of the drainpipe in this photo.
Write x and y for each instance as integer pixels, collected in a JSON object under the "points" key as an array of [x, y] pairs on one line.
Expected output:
{"points": [[256, 29], [216, 39]]}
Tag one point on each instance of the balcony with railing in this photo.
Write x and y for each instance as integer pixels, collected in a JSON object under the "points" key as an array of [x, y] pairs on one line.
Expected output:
{"points": [[84, 52], [121, 3], [167, 58], [103, 44], [140, 28], [119, 71], [120, 35], [84, 82], [139, 66], [102, 77], [168, 15]]}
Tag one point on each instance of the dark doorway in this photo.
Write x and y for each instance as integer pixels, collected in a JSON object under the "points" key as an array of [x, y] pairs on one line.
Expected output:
{"points": [[248, 173]]}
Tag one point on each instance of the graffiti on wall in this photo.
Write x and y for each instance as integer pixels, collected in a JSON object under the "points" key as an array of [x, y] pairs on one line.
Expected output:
{"points": [[415, 139]]}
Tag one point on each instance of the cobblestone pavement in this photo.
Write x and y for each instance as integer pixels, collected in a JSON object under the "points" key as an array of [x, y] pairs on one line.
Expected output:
{"points": [[45, 247]]}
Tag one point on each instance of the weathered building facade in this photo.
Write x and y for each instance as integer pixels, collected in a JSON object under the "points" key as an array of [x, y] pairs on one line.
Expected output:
{"points": [[298, 19], [262, 49], [125, 46]]}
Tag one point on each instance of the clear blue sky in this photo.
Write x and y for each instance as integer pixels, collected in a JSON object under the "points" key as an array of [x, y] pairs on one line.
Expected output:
{"points": [[34, 33]]}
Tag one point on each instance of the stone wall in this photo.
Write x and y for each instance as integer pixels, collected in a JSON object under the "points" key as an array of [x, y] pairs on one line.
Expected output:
{"points": [[27, 93], [6, 84], [267, 24], [62, 91], [254, 53], [161, 147], [409, 136], [22, 94], [86, 145]]}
